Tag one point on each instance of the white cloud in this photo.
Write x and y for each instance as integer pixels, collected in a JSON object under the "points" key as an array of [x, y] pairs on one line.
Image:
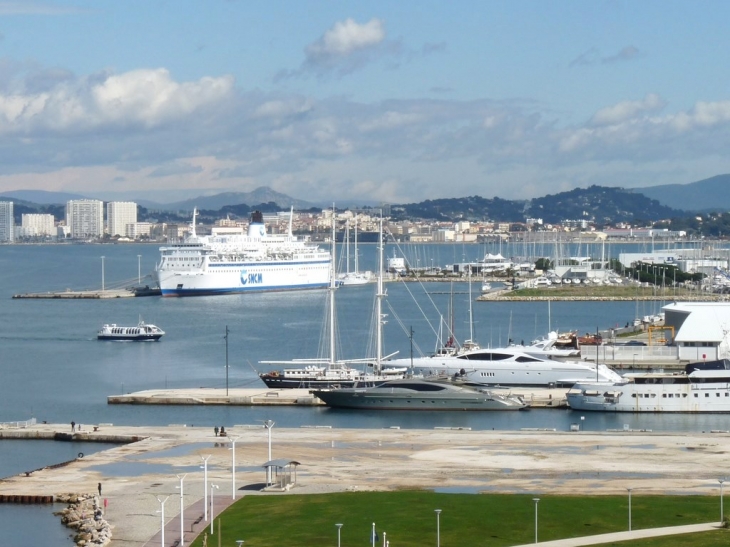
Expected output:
{"points": [[140, 97], [627, 109], [345, 38]]}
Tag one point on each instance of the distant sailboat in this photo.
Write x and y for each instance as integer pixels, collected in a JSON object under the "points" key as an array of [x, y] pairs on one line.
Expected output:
{"points": [[356, 277]]}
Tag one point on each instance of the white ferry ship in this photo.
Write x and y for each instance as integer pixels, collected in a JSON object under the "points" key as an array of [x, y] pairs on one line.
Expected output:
{"points": [[143, 332], [701, 387], [237, 263]]}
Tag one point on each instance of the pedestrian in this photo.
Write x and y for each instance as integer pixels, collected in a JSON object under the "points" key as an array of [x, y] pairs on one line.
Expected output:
{"points": [[73, 427], [215, 430], [99, 487], [223, 431]]}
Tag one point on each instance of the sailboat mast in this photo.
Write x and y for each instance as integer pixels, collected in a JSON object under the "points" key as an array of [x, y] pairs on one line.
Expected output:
{"points": [[347, 245], [379, 304], [333, 287], [471, 315], [357, 268]]}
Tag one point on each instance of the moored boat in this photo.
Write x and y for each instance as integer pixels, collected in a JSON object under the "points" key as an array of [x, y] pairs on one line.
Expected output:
{"points": [[417, 394], [701, 387], [143, 332]]}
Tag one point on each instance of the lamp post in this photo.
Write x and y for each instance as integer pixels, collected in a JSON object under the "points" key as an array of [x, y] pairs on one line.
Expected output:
{"points": [[162, 520], [269, 424], [182, 510], [339, 528], [438, 527], [629, 491], [102, 274], [212, 486], [233, 466], [139, 269], [204, 467], [226, 337], [722, 512], [536, 500]]}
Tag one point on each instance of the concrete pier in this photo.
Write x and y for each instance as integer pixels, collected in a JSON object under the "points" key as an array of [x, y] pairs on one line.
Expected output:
{"points": [[69, 294], [537, 397]]}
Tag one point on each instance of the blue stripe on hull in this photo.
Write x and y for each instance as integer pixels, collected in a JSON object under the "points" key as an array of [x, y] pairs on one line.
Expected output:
{"points": [[239, 290]]}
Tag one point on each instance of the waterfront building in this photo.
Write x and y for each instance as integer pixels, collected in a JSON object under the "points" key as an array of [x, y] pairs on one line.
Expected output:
{"points": [[135, 230], [85, 218], [38, 225], [700, 329], [6, 222], [118, 215]]}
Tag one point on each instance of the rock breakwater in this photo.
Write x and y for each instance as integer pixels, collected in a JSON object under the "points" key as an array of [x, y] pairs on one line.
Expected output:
{"points": [[85, 515]]}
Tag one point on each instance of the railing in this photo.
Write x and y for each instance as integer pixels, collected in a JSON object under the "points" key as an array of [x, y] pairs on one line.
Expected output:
{"points": [[17, 425]]}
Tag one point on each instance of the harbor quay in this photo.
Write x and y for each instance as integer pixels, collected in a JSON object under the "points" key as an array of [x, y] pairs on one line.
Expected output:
{"points": [[129, 479], [537, 397]]}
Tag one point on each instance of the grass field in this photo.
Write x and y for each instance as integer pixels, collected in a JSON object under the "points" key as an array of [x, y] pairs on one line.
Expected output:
{"points": [[629, 292], [408, 519]]}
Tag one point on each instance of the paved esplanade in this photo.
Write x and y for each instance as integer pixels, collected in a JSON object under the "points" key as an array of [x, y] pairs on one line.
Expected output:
{"points": [[626, 536], [538, 463]]}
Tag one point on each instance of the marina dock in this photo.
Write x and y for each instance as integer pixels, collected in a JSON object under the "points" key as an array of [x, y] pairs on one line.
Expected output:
{"points": [[69, 294], [537, 397]]}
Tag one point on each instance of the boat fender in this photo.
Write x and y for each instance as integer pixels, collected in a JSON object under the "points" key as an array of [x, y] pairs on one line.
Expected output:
{"points": [[81, 455]]}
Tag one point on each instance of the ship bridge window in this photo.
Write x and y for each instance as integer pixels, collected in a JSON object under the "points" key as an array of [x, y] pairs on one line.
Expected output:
{"points": [[491, 356], [525, 359]]}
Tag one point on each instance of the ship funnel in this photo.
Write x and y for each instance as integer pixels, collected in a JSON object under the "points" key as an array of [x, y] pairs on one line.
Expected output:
{"points": [[256, 228]]}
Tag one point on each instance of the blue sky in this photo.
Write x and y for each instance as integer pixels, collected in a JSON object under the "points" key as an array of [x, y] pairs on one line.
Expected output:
{"points": [[351, 100]]}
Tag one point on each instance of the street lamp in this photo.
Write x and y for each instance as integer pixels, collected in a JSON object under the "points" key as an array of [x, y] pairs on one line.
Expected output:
{"points": [[233, 466], [629, 491], [182, 510], [536, 500], [204, 467], [162, 519], [722, 512], [339, 528], [438, 527], [226, 337], [268, 424], [212, 486]]}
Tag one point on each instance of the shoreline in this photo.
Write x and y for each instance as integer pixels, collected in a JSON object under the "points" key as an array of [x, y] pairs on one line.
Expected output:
{"points": [[554, 462]]}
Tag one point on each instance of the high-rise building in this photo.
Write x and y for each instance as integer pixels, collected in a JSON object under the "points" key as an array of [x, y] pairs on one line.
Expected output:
{"points": [[6, 222], [85, 218], [118, 215], [38, 225]]}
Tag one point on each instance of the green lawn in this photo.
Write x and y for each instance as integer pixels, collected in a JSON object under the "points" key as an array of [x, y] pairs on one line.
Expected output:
{"points": [[408, 519]]}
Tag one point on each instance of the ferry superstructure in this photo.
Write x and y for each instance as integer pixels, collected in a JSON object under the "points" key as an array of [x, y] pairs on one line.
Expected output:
{"points": [[237, 263]]}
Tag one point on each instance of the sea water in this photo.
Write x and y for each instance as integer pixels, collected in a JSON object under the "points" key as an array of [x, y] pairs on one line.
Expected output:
{"points": [[55, 370]]}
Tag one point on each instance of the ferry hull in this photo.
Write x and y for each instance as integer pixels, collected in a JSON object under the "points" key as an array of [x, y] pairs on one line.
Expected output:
{"points": [[245, 278]]}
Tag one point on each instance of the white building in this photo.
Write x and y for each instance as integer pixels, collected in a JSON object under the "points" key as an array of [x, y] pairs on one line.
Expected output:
{"points": [[701, 329], [136, 230], [35, 225], [85, 218], [6, 222], [118, 215]]}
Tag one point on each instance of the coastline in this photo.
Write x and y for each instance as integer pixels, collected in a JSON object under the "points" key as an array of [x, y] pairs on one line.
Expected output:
{"points": [[459, 460]]}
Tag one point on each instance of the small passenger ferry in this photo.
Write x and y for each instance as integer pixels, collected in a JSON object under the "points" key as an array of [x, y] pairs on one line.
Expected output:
{"points": [[141, 333]]}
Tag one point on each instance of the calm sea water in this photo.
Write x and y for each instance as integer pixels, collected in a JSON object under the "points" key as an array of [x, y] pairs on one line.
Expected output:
{"points": [[54, 369]]}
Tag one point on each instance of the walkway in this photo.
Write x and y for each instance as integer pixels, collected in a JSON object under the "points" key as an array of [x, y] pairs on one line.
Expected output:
{"points": [[194, 524], [625, 536]]}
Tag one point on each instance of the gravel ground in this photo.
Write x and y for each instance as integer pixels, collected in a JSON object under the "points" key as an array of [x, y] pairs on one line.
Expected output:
{"points": [[534, 462]]}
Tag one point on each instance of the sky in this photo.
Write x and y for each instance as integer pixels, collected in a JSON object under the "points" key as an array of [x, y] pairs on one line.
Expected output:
{"points": [[376, 101]]}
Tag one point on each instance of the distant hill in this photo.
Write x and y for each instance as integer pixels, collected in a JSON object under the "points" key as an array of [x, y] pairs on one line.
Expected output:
{"points": [[471, 208], [704, 195], [40, 196], [262, 194], [600, 204]]}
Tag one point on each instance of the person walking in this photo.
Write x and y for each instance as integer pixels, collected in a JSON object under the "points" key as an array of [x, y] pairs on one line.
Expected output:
{"points": [[99, 487], [215, 430], [73, 427]]}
